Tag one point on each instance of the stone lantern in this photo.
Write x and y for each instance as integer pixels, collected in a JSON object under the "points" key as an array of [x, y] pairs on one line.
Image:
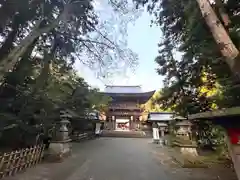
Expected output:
{"points": [[60, 145], [62, 130], [184, 142], [162, 127], [184, 129]]}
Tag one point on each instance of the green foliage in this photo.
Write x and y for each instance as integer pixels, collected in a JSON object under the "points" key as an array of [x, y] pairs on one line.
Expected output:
{"points": [[188, 52], [196, 76], [40, 42], [152, 105]]}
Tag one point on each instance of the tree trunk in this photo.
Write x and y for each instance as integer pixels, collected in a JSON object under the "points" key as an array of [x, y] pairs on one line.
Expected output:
{"points": [[6, 12], [223, 14], [8, 62], [41, 81], [8, 43], [227, 48], [12, 7], [22, 69]]}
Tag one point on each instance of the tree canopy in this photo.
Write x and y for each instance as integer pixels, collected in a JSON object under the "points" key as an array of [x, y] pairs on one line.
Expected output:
{"points": [[197, 77], [39, 45], [198, 57]]}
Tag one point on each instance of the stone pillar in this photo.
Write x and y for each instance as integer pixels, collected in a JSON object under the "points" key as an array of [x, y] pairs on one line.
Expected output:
{"points": [[162, 128]]}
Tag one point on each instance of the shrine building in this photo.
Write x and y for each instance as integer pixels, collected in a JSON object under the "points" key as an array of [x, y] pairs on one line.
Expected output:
{"points": [[124, 112]]}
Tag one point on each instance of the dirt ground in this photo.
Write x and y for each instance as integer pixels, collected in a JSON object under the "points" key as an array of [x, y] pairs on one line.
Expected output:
{"points": [[121, 159], [173, 168]]}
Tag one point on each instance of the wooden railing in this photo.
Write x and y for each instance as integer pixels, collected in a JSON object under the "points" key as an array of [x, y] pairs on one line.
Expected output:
{"points": [[16, 161]]}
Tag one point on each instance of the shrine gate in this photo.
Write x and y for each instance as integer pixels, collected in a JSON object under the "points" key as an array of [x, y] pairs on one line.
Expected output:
{"points": [[124, 112]]}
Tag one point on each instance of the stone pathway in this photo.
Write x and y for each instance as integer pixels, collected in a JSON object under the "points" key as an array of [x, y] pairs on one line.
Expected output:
{"points": [[114, 159]]}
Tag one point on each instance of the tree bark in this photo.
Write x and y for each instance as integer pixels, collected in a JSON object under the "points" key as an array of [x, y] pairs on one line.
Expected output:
{"points": [[8, 62], [41, 81], [6, 12], [12, 7], [223, 14], [21, 70], [8, 43], [222, 38]]}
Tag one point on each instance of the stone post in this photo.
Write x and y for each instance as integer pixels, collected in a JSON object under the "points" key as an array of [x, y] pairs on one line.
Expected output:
{"points": [[60, 145], [162, 127]]}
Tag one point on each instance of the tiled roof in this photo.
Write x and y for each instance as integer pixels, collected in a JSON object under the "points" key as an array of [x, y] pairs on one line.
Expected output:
{"points": [[123, 89]]}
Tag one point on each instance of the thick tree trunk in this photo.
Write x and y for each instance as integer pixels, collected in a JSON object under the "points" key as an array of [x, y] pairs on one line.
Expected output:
{"points": [[40, 84], [223, 14], [42, 79], [22, 69], [8, 62], [227, 48], [8, 43], [6, 12], [11, 7]]}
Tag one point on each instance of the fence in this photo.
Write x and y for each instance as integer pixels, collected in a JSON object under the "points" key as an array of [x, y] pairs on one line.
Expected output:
{"points": [[16, 161], [82, 136]]}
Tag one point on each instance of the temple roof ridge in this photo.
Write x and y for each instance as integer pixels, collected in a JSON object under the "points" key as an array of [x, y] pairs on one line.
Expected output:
{"points": [[125, 89]]}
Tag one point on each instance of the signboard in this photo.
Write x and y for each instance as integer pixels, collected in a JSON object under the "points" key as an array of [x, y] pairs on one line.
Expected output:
{"points": [[124, 106], [122, 120]]}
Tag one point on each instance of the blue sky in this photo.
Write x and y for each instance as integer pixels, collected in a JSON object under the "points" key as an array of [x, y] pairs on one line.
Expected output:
{"points": [[143, 40]]}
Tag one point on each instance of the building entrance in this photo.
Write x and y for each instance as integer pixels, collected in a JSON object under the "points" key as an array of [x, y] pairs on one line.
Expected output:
{"points": [[122, 124], [124, 110]]}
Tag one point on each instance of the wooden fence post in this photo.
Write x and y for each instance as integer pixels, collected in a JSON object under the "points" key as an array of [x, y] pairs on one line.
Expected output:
{"points": [[16, 161], [2, 165]]}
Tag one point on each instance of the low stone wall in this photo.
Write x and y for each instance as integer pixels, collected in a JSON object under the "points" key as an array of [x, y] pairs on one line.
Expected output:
{"points": [[82, 136]]}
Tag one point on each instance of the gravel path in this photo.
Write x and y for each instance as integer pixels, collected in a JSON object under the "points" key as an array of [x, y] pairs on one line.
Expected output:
{"points": [[112, 159]]}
